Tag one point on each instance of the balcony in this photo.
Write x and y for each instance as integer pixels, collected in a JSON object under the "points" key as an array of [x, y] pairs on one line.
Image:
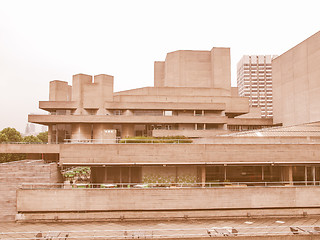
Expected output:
{"points": [[51, 119]]}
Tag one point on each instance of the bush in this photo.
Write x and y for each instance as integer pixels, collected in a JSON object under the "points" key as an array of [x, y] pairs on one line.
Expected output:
{"points": [[168, 139]]}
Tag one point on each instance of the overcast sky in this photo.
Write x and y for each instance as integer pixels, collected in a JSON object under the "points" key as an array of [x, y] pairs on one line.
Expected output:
{"points": [[46, 40]]}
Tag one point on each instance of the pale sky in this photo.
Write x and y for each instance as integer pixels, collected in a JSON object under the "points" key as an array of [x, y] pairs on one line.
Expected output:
{"points": [[44, 40]]}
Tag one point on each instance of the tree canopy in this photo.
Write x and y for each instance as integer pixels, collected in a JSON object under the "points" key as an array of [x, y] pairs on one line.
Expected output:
{"points": [[12, 134], [43, 136], [3, 138], [31, 139]]}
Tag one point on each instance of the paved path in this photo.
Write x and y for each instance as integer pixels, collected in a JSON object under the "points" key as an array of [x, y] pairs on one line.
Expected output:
{"points": [[153, 229]]}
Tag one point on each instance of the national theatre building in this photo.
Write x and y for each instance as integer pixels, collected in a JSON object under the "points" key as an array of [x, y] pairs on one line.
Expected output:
{"points": [[189, 147]]}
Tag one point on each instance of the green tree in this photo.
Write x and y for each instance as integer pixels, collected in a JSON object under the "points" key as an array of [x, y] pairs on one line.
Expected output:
{"points": [[43, 136], [3, 138], [31, 139], [12, 134]]}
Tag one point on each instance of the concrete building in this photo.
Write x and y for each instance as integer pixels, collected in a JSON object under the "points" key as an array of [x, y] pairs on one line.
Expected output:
{"points": [[268, 173], [254, 78], [296, 82], [192, 97]]}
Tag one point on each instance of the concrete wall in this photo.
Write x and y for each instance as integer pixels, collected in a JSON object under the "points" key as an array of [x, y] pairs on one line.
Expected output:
{"points": [[59, 91], [54, 104], [15, 173], [165, 105], [88, 94], [296, 85], [188, 153], [250, 121], [188, 69], [209, 69], [176, 91], [159, 73], [254, 112], [29, 148], [59, 200], [103, 133], [84, 119], [221, 68], [81, 131]]}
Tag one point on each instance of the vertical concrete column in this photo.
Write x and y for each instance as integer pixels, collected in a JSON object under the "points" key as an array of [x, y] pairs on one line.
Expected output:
{"points": [[314, 175], [128, 112], [49, 133], [221, 68], [306, 175], [159, 73], [127, 130], [203, 176], [105, 91], [290, 175], [81, 132], [78, 83], [103, 133], [287, 174]]}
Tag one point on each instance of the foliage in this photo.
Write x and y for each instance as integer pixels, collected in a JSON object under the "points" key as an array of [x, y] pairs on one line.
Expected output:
{"points": [[3, 138], [43, 136], [31, 139], [77, 174], [159, 181], [9, 157], [187, 179], [8, 135], [168, 139], [12, 134]]}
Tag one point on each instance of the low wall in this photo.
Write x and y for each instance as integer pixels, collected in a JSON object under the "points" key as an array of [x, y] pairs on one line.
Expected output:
{"points": [[13, 174], [90, 200], [29, 148], [187, 153]]}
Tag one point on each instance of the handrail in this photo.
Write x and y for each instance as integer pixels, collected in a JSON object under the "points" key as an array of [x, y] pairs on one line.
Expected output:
{"points": [[128, 140], [169, 185], [23, 143]]}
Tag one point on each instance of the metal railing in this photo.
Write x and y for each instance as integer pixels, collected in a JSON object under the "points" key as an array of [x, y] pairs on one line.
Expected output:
{"points": [[114, 141], [128, 140], [189, 233], [166, 185], [23, 143]]}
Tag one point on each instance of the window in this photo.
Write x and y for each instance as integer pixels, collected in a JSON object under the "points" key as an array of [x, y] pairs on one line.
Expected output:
{"points": [[198, 112], [117, 112], [167, 113]]}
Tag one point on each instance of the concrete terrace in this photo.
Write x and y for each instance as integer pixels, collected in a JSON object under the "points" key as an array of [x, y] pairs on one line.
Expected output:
{"points": [[247, 228]]}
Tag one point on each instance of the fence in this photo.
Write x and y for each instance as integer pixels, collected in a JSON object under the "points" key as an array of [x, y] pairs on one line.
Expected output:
{"points": [[165, 185]]}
